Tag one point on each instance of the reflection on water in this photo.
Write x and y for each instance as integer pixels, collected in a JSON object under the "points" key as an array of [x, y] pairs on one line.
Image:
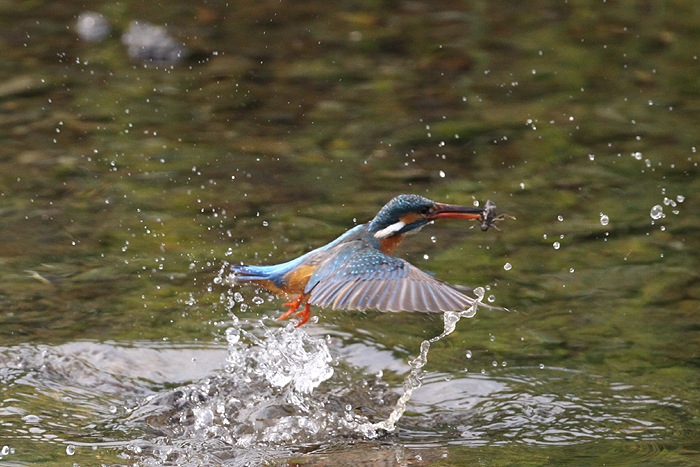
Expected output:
{"points": [[532, 406], [283, 392]]}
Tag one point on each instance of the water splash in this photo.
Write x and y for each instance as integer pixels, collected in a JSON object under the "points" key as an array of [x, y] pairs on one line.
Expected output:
{"points": [[264, 396], [414, 380], [284, 359]]}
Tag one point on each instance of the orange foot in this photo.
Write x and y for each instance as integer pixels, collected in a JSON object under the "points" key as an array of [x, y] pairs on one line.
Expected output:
{"points": [[294, 305]]}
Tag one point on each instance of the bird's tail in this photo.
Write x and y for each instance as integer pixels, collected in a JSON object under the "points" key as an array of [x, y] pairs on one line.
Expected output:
{"points": [[246, 273]]}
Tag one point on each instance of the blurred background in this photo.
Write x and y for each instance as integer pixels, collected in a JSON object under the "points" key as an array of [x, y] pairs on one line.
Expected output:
{"points": [[145, 145]]}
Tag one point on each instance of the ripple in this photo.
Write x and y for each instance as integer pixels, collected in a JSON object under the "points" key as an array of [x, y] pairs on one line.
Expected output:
{"points": [[554, 407], [284, 393]]}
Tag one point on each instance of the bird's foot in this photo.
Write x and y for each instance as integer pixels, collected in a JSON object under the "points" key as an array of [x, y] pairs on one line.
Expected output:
{"points": [[304, 315], [294, 305]]}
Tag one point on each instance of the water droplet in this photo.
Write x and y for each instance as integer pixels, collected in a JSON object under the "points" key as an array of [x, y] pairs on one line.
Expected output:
{"points": [[265, 224], [541, 366], [571, 270], [442, 174], [238, 297], [492, 337], [112, 409], [70, 449], [556, 245], [604, 220], [560, 218], [522, 186], [491, 298], [657, 212], [233, 335], [680, 198], [494, 363], [258, 300], [591, 157], [469, 354], [5, 450], [507, 266]]}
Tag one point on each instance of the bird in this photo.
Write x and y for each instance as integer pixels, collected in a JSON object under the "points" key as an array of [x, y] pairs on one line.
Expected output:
{"points": [[357, 271]]}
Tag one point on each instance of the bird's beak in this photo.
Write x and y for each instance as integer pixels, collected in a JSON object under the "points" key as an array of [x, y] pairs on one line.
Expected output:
{"points": [[453, 211]]}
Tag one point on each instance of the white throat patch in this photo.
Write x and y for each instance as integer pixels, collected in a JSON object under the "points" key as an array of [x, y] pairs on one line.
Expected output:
{"points": [[390, 230]]}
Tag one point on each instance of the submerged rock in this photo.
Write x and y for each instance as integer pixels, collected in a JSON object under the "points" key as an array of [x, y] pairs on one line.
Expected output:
{"points": [[92, 27], [148, 42]]}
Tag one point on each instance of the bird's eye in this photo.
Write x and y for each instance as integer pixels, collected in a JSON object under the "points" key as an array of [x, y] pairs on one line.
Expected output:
{"points": [[426, 210]]}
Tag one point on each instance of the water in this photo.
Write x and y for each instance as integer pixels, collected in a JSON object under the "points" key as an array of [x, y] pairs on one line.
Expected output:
{"points": [[125, 188], [267, 402]]}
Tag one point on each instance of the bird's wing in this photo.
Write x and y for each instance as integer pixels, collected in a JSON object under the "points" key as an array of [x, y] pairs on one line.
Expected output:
{"points": [[357, 277]]}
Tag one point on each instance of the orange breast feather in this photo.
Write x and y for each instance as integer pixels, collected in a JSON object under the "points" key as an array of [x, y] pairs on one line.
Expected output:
{"points": [[297, 278]]}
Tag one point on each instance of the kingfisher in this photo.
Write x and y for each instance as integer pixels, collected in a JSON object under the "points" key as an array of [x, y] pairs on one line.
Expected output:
{"points": [[357, 271]]}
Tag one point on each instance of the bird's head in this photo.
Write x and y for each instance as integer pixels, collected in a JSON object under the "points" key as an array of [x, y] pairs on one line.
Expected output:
{"points": [[408, 213]]}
